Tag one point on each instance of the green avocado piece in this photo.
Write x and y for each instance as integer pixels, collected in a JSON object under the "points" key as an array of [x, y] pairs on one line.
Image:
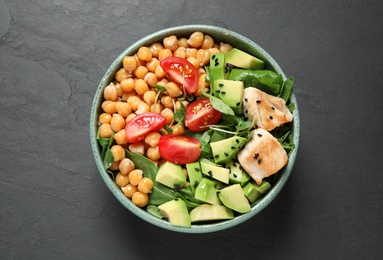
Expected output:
{"points": [[171, 175], [234, 198], [237, 174], [225, 150], [206, 191], [215, 171], [207, 212], [194, 173], [230, 92], [217, 66], [243, 60], [253, 191], [176, 212]]}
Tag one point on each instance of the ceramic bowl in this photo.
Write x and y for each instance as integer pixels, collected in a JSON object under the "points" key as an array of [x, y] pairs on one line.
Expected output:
{"points": [[219, 34]]}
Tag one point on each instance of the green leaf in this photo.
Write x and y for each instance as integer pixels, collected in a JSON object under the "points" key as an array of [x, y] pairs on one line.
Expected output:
{"points": [[287, 89], [108, 158], [160, 88], [180, 115], [168, 129], [219, 105], [154, 210]]}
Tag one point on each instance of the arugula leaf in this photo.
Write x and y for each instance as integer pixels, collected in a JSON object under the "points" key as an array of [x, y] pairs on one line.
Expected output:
{"points": [[180, 115]]}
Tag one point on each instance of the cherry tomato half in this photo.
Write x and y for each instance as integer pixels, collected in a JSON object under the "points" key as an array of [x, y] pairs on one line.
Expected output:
{"points": [[182, 72], [179, 149], [200, 113], [143, 124]]}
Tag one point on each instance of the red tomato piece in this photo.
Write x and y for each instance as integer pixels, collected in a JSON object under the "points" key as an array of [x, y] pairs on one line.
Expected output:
{"points": [[141, 125], [200, 113], [182, 72], [179, 149]]}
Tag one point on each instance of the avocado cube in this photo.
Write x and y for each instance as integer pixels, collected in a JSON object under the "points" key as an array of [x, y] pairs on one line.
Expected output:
{"points": [[194, 173], [176, 212], [215, 171], [226, 149], [234, 198], [206, 191], [243, 60], [171, 175], [231, 92], [207, 212]]}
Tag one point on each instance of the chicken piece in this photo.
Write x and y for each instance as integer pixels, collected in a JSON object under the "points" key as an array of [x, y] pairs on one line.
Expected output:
{"points": [[262, 156], [266, 111]]}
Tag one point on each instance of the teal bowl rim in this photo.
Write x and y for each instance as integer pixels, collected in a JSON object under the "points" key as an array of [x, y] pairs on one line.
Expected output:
{"points": [[219, 34]]}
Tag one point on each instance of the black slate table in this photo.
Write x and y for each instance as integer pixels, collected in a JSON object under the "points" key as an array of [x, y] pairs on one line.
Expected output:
{"points": [[54, 204]]}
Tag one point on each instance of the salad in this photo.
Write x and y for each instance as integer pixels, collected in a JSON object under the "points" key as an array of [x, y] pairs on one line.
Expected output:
{"points": [[195, 131]]}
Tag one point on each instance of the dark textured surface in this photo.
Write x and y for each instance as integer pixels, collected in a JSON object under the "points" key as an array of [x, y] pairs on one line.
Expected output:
{"points": [[54, 204]]}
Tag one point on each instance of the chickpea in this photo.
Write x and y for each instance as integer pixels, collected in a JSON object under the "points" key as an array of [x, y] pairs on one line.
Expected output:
{"points": [[169, 115], [139, 62], [120, 137], [150, 97], [178, 104], [153, 153], [109, 107], [105, 130], [173, 89], [214, 51], [183, 42], [122, 180], [152, 64], [191, 52], [195, 40], [129, 190], [168, 102], [130, 117], [142, 108], [164, 53], [140, 199], [145, 185], [105, 118], [119, 90], [137, 148], [123, 109], [160, 73], [178, 129], [129, 63], [203, 56], [122, 74], [156, 108], [155, 49], [134, 101], [135, 176], [194, 61], [118, 152], [151, 79], [140, 72], [225, 47], [141, 87], [117, 123], [114, 166], [153, 139], [144, 53], [180, 52], [126, 95], [126, 165], [110, 92], [171, 42], [207, 42], [127, 85]]}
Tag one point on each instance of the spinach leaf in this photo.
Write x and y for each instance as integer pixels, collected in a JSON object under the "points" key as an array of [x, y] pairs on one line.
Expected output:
{"points": [[286, 89], [180, 115], [155, 211], [219, 105], [108, 158], [265, 80]]}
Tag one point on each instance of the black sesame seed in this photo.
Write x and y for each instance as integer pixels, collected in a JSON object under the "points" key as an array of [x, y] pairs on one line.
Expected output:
{"points": [[270, 117], [196, 184], [233, 147], [273, 108], [237, 141], [218, 91], [258, 101], [238, 103], [226, 153], [197, 169], [220, 84], [215, 185], [216, 156], [234, 164], [245, 99], [259, 161], [223, 92], [213, 57], [210, 173], [240, 168], [235, 175], [255, 155], [260, 135]]}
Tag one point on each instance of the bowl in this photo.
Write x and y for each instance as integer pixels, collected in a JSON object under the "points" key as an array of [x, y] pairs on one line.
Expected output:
{"points": [[219, 34]]}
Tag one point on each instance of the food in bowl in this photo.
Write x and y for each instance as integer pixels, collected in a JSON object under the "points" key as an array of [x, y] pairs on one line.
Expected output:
{"points": [[195, 131]]}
